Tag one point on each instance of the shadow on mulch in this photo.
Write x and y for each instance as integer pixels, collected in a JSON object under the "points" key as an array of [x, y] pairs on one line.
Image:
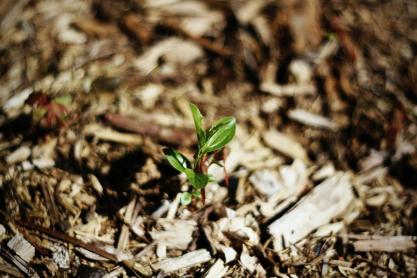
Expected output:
{"points": [[18, 126], [120, 177]]}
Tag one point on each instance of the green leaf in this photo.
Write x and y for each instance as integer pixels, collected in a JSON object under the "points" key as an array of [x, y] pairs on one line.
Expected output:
{"points": [[190, 175], [200, 181], [186, 198], [196, 193], [176, 159], [197, 180], [211, 178], [64, 100], [198, 122], [220, 134]]}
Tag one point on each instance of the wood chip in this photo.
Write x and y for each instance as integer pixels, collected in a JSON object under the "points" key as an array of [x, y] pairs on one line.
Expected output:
{"points": [[249, 10], [176, 234], [129, 215], [265, 182], [285, 145], [325, 202], [10, 269], [19, 155], [304, 24], [61, 256], [238, 227], [18, 261], [324, 172], [229, 253], [17, 100], [311, 119], [386, 244], [290, 90], [174, 51], [187, 260], [290, 180], [43, 163], [247, 261], [96, 184], [217, 270], [108, 134], [22, 247], [170, 135]]}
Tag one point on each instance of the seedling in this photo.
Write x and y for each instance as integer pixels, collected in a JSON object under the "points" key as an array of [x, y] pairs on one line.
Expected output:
{"points": [[49, 112], [210, 150]]}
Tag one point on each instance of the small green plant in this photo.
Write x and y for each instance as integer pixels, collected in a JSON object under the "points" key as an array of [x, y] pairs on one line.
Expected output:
{"points": [[210, 150]]}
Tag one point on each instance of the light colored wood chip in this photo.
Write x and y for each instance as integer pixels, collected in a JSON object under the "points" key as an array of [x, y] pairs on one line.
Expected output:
{"points": [[161, 250], [228, 252], [161, 210], [249, 262], [329, 229], [324, 172], [311, 119], [61, 256], [174, 51], [377, 200], [96, 184], [293, 182], [217, 270], [301, 70], [187, 260], [285, 145], [2, 231], [125, 231], [108, 134], [265, 182], [176, 234], [371, 175], [290, 180], [245, 13], [43, 163], [173, 207], [239, 227], [149, 95], [325, 202], [19, 155], [290, 90], [22, 247], [386, 244], [17, 100]]}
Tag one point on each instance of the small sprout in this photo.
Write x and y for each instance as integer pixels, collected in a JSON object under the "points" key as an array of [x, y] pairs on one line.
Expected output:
{"points": [[211, 150], [49, 112], [186, 198]]}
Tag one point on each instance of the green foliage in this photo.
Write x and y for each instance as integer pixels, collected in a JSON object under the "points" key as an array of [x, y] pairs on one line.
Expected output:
{"points": [[63, 100], [176, 159], [209, 142], [198, 122], [186, 198], [221, 133]]}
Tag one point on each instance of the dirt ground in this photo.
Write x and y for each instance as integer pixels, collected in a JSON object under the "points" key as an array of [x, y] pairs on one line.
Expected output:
{"points": [[322, 170]]}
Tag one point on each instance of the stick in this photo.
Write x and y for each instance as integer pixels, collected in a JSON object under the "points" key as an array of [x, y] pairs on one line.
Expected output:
{"points": [[69, 239], [172, 135]]}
